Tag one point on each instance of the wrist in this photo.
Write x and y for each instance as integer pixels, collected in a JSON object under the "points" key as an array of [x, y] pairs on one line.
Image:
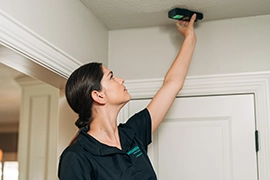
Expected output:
{"points": [[192, 38]]}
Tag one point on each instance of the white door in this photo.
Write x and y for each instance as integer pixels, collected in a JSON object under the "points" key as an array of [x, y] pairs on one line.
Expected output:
{"points": [[204, 138]]}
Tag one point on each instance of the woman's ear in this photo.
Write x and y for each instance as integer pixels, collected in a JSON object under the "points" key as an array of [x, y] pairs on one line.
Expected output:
{"points": [[98, 97]]}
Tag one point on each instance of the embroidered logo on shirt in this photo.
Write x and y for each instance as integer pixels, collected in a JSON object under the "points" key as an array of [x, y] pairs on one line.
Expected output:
{"points": [[136, 151]]}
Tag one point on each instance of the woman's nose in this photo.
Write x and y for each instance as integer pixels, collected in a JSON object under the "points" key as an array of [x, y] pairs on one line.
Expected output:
{"points": [[121, 80]]}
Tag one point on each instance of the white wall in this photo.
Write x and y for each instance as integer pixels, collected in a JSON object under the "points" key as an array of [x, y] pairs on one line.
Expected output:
{"points": [[67, 24], [225, 46]]}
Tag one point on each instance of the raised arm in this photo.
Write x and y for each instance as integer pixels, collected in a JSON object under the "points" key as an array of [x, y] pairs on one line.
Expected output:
{"points": [[175, 77]]}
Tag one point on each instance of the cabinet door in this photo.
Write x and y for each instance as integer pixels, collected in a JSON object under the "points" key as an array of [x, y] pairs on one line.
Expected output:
{"points": [[206, 138]]}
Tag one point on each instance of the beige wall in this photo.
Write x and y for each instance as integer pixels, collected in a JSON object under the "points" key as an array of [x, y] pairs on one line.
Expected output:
{"points": [[67, 128], [67, 24], [225, 46]]}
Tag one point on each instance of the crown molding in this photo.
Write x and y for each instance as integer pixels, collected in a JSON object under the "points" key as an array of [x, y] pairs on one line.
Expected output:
{"points": [[21, 39]]}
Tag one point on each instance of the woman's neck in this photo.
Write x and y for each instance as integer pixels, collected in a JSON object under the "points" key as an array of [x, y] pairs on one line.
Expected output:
{"points": [[104, 128]]}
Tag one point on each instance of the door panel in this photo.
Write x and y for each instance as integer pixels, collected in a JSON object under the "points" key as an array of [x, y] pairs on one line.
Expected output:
{"points": [[207, 138]]}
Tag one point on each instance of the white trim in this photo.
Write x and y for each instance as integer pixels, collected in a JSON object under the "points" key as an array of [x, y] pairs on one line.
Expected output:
{"points": [[256, 83], [21, 39]]}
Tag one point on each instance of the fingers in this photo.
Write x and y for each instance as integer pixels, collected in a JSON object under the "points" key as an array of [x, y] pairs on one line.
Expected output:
{"points": [[178, 24], [182, 23], [192, 20]]}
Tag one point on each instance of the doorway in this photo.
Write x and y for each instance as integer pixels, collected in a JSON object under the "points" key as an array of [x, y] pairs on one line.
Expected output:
{"points": [[14, 66]]}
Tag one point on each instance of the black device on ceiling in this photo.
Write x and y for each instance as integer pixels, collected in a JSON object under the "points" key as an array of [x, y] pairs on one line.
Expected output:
{"points": [[184, 14]]}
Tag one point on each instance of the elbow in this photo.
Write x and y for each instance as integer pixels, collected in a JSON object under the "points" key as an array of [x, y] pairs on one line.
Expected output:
{"points": [[174, 85], [180, 87]]}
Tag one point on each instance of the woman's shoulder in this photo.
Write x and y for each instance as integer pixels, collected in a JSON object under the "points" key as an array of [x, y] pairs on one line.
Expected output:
{"points": [[141, 115], [73, 163], [138, 119], [139, 125], [73, 149]]}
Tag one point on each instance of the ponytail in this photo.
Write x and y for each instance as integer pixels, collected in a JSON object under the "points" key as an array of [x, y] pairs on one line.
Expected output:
{"points": [[79, 87]]}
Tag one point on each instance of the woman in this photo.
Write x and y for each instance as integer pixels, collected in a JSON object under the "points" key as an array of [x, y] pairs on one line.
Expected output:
{"points": [[102, 150]]}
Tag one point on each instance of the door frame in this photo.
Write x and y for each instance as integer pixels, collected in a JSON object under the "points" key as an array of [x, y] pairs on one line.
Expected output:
{"points": [[256, 83]]}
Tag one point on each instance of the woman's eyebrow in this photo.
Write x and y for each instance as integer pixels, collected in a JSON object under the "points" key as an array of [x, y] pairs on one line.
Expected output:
{"points": [[110, 73]]}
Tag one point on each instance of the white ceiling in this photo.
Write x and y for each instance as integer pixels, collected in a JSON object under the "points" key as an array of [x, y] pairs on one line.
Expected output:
{"points": [[122, 14]]}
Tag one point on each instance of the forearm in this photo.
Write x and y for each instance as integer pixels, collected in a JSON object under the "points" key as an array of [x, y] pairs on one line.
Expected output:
{"points": [[178, 71], [175, 77]]}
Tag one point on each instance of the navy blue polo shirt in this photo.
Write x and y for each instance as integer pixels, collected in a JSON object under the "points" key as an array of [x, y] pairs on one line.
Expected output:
{"points": [[88, 159]]}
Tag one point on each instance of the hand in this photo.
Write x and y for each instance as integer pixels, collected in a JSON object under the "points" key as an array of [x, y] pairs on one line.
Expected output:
{"points": [[186, 28]]}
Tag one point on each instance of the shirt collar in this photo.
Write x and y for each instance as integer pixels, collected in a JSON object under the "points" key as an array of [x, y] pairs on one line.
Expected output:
{"points": [[95, 147]]}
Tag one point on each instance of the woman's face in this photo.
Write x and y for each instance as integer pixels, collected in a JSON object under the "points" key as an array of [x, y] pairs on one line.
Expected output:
{"points": [[113, 88]]}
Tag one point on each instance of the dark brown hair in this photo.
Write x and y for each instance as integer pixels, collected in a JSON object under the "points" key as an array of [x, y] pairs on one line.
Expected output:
{"points": [[78, 90]]}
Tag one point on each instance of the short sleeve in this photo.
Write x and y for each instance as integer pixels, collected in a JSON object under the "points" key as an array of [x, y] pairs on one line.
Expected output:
{"points": [[141, 125], [72, 166]]}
